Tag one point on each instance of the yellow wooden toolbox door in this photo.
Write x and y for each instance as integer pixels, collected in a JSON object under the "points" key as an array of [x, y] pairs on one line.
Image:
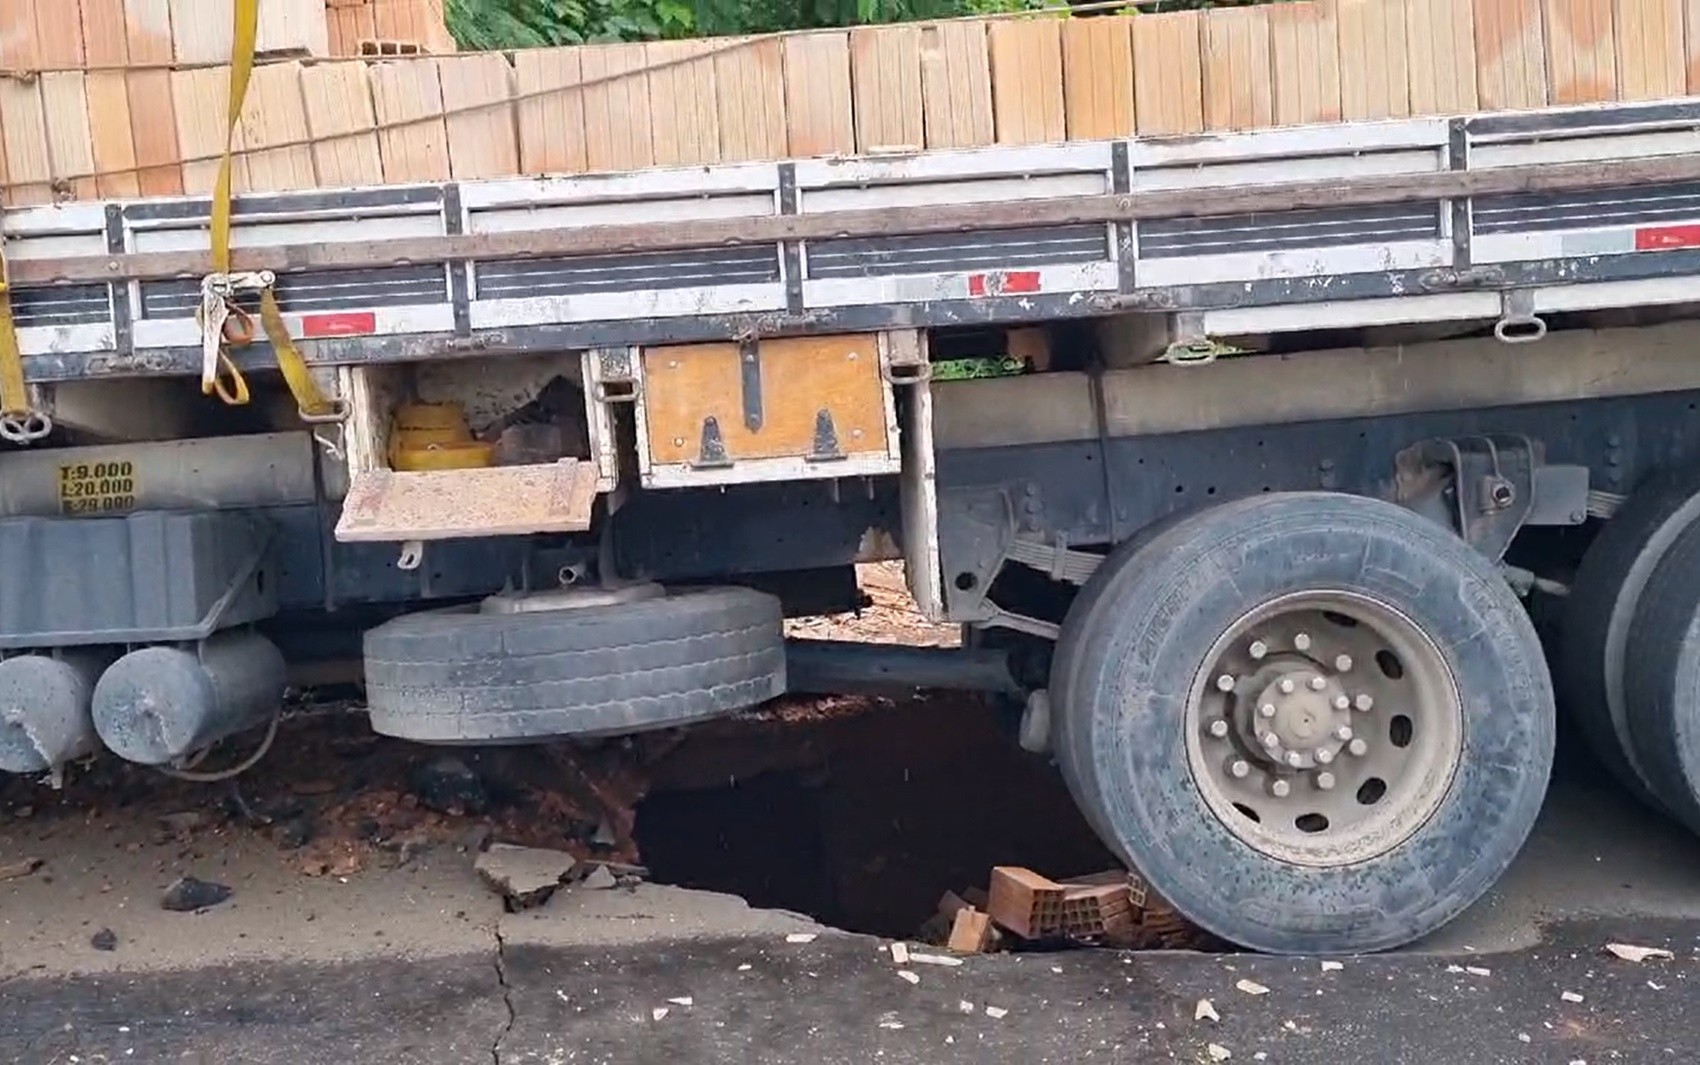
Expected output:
{"points": [[812, 398]]}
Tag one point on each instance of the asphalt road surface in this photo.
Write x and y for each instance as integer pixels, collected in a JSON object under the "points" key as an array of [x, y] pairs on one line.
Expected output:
{"points": [[419, 963]]}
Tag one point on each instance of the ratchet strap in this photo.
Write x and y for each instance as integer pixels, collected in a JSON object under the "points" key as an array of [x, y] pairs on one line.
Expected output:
{"points": [[312, 402], [19, 422]]}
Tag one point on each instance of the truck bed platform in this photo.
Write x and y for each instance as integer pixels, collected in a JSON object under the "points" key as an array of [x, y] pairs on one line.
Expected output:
{"points": [[1498, 216]]}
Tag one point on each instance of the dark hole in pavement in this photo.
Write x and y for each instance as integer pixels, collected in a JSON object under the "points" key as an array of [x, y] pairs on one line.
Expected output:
{"points": [[861, 819]]}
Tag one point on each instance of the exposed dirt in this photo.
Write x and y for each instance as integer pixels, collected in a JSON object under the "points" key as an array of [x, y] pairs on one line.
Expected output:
{"points": [[860, 812]]}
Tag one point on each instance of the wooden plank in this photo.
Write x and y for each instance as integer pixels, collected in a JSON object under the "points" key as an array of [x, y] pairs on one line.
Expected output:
{"points": [[275, 113], [550, 111], [1651, 64], [1374, 79], [70, 147], [478, 90], [885, 69], [1027, 80], [343, 124], [1304, 48], [202, 97], [105, 37], [818, 115], [1440, 36], [684, 106], [1168, 73], [110, 130], [1238, 81], [58, 33], [23, 130], [1098, 77], [617, 115], [749, 73], [956, 85], [408, 101], [1581, 52], [887, 221], [1510, 54]]}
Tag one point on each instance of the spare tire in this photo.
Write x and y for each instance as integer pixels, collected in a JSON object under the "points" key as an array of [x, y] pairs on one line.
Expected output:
{"points": [[459, 676]]}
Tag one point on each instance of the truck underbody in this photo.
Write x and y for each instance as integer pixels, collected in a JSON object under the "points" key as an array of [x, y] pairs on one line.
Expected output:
{"points": [[1250, 464]]}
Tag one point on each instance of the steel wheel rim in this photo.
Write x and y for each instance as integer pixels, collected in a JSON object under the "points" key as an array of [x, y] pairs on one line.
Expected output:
{"points": [[1324, 728]]}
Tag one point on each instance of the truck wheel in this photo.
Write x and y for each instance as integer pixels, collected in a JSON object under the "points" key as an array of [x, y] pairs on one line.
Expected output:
{"points": [[1608, 588], [1661, 680], [468, 676], [1316, 723]]}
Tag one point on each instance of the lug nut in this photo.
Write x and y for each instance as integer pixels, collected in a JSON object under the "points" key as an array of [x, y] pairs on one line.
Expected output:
{"points": [[1358, 748], [1271, 741], [1343, 733], [1239, 769], [1324, 755], [1219, 728], [1342, 703], [1343, 664], [1280, 789], [1295, 759], [1325, 781], [1258, 650], [1266, 710], [1317, 684], [1225, 683], [1302, 641], [1364, 703], [1287, 686]]}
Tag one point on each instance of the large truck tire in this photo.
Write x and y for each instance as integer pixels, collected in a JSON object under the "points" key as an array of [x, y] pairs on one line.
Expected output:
{"points": [[1662, 680], [1609, 586], [1315, 723], [455, 677]]}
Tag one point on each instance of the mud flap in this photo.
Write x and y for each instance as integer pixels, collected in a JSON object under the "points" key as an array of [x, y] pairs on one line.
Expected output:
{"points": [[382, 505]]}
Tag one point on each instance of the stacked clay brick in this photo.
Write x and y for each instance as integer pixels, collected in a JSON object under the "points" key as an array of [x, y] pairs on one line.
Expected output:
{"points": [[130, 95]]}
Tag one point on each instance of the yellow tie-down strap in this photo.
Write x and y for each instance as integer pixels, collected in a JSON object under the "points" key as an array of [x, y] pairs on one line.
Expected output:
{"points": [[313, 404], [19, 421]]}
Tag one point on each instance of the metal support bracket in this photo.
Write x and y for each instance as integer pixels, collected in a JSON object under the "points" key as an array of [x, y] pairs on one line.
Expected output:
{"points": [[749, 373], [1482, 487], [825, 447], [711, 455]]}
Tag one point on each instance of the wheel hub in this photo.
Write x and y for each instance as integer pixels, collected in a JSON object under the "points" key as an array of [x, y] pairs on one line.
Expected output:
{"points": [[1298, 713], [1325, 727]]}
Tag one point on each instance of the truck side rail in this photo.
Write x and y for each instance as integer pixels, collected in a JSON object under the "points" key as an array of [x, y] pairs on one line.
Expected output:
{"points": [[1493, 216]]}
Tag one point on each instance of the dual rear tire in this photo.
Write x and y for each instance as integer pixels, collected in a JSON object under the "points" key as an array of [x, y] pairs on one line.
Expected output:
{"points": [[1632, 646], [1316, 723]]}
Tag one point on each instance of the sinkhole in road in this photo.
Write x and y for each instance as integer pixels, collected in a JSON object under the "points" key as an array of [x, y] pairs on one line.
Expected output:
{"points": [[860, 815]]}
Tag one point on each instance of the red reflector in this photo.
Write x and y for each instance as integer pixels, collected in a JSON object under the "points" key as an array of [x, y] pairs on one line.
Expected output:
{"points": [[354, 323], [1662, 238], [1003, 284]]}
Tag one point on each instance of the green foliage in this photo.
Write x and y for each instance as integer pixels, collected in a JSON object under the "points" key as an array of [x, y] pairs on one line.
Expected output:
{"points": [[501, 24]]}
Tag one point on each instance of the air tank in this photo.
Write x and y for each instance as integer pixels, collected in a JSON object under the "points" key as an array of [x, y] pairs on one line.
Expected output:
{"points": [[159, 704]]}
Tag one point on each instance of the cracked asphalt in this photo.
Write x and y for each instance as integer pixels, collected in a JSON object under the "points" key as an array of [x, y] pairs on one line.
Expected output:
{"points": [[419, 963], [839, 999]]}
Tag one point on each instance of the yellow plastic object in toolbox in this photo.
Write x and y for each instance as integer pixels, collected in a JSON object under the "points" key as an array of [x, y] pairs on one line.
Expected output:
{"points": [[435, 436], [779, 409]]}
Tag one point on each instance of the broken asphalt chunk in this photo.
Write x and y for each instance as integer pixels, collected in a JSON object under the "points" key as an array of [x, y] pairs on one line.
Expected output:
{"points": [[1630, 953], [1252, 987], [523, 876], [1218, 1052], [1205, 1011], [105, 939], [187, 894], [19, 869]]}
